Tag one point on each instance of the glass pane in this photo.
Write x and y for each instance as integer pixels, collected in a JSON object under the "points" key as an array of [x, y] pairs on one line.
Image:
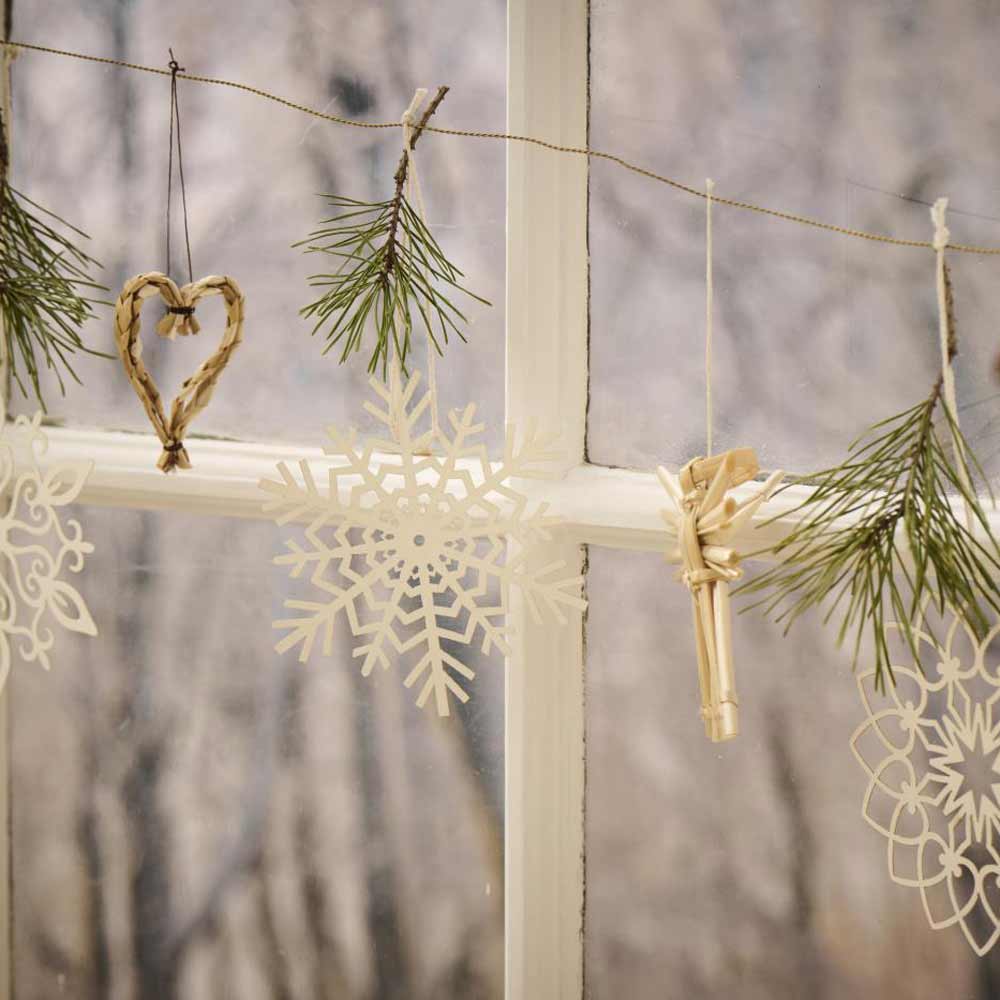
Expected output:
{"points": [[91, 142], [198, 817], [743, 869], [840, 111]]}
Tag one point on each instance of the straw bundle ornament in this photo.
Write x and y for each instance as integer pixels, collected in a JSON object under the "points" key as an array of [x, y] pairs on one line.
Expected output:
{"points": [[197, 390], [704, 523]]}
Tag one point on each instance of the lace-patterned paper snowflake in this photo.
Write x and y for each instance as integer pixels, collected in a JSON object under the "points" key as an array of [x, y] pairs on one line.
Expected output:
{"points": [[419, 548], [931, 749], [37, 546]]}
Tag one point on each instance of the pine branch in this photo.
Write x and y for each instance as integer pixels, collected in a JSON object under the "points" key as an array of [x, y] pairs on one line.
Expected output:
{"points": [[42, 275], [882, 536], [44, 281], [392, 273]]}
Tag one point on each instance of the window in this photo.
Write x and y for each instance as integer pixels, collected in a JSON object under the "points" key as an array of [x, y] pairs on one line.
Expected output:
{"points": [[355, 867], [742, 868], [746, 869], [253, 173], [189, 808]]}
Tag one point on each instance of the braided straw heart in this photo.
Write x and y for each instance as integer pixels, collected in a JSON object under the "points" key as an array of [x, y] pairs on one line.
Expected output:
{"points": [[197, 390]]}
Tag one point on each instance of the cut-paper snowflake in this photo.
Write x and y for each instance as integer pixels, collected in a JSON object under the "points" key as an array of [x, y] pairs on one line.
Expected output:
{"points": [[37, 545], [930, 746], [418, 539]]}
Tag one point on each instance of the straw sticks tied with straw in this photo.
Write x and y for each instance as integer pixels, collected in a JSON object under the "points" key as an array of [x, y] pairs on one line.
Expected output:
{"points": [[703, 524]]}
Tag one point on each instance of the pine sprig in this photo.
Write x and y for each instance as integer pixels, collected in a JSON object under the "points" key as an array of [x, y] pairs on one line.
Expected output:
{"points": [[392, 272], [44, 281], [882, 534]]}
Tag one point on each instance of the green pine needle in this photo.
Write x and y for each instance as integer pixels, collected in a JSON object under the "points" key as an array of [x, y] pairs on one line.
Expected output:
{"points": [[882, 535], [392, 275], [44, 277]]}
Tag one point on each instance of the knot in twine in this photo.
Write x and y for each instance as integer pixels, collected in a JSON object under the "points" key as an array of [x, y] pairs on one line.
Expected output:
{"points": [[173, 456], [942, 234], [179, 319], [409, 117]]}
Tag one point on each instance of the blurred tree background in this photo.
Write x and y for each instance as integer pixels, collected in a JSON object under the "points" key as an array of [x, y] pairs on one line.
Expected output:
{"points": [[196, 817]]}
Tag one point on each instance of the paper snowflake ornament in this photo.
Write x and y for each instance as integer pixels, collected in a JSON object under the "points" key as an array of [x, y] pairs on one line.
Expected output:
{"points": [[37, 546], [930, 746], [418, 540]]}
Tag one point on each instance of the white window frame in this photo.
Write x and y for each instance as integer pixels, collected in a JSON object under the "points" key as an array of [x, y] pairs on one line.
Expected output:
{"points": [[546, 381]]}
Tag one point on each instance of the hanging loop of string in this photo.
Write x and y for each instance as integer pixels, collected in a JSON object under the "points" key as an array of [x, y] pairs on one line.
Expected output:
{"points": [[416, 198], [175, 116], [709, 303], [949, 346], [406, 165]]}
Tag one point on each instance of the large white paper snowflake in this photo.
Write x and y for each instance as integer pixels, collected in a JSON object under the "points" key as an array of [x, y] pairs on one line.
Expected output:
{"points": [[419, 547], [37, 546], [931, 748]]}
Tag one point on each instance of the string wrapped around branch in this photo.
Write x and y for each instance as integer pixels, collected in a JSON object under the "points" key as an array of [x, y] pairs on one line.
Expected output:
{"points": [[391, 272]]}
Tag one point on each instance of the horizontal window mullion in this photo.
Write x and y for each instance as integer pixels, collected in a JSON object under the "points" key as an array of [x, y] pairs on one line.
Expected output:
{"points": [[597, 505]]}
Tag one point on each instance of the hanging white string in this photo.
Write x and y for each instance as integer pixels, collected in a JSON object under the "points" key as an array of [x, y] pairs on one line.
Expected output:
{"points": [[939, 212], [415, 196], [709, 302], [408, 119]]}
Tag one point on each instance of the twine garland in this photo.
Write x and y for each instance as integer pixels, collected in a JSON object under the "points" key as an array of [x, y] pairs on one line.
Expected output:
{"points": [[197, 390], [594, 154]]}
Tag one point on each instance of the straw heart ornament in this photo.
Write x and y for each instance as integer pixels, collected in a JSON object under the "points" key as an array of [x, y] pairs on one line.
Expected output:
{"points": [[179, 319], [197, 390]]}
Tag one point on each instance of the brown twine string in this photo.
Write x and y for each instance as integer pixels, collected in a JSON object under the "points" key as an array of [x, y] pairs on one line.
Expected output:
{"points": [[175, 113], [593, 154]]}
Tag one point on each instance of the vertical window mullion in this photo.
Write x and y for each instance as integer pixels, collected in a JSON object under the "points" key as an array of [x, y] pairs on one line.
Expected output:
{"points": [[6, 896], [546, 382]]}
